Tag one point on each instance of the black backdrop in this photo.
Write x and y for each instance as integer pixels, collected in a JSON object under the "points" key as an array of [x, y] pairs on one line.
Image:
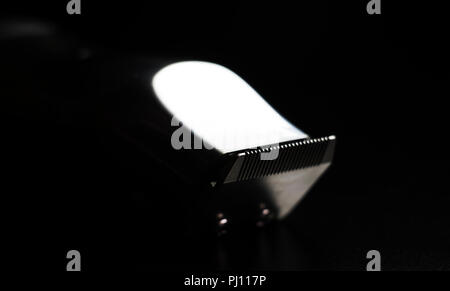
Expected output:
{"points": [[378, 82]]}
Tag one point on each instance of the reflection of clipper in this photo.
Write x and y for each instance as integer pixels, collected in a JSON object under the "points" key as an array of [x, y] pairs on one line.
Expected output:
{"points": [[260, 165]]}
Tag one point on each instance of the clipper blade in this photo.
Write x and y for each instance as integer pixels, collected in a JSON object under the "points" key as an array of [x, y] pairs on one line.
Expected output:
{"points": [[289, 156], [282, 181]]}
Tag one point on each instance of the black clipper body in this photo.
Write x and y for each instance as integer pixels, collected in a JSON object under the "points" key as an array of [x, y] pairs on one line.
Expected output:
{"points": [[224, 151]]}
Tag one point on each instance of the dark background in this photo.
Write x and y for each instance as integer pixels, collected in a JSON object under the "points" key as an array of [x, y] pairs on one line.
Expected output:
{"points": [[378, 82]]}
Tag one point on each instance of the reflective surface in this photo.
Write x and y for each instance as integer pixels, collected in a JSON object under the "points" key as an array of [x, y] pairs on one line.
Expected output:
{"points": [[220, 107]]}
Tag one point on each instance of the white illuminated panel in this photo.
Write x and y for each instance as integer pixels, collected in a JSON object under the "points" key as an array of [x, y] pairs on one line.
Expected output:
{"points": [[220, 107]]}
